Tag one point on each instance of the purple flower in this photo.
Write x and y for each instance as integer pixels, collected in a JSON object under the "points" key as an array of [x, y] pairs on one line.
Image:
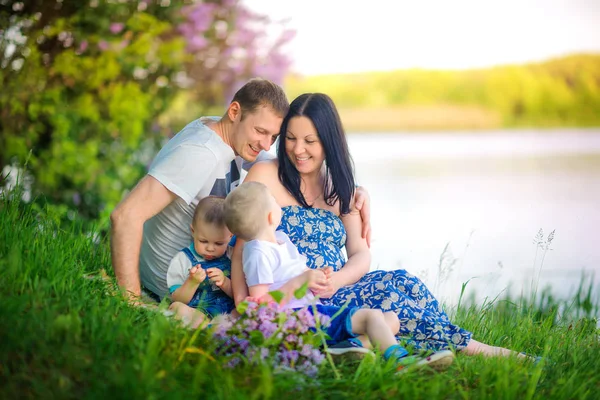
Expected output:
{"points": [[250, 324], [264, 352], [103, 45], [306, 350], [308, 368], [306, 318], [116, 27], [291, 338], [293, 356], [285, 331], [266, 313], [201, 16], [124, 43], [290, 323], [252, 307], [82, 46], [197, 42], [325, 320], [233, 362], [242, 343], [267, 328], [317, 356]]}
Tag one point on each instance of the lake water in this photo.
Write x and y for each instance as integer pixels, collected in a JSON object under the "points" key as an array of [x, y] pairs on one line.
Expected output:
{"points": [[486, 195]]}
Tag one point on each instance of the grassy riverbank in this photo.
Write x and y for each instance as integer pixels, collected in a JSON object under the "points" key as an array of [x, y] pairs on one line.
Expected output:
{"points": [[65, 336]]}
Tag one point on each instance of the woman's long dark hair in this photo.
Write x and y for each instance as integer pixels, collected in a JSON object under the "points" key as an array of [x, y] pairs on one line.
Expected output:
{"points": [[339, 181]]}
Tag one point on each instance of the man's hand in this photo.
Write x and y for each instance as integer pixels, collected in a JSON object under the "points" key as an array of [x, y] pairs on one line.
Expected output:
{"points": [[363, 204], [197, 274], [216, 276]]}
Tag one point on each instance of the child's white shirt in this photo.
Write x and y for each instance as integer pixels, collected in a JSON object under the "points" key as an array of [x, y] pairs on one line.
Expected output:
{"points": [[275, 264]]}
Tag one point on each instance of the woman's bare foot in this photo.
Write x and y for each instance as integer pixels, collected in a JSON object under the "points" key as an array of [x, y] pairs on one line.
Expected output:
{"points": [[474, 347]]}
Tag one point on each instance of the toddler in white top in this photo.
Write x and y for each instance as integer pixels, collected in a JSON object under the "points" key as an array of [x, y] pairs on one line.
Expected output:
{"points": [[270, 261]]}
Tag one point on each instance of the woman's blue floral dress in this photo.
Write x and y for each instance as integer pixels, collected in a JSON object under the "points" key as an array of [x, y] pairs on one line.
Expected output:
{"points": [[320, 236]]}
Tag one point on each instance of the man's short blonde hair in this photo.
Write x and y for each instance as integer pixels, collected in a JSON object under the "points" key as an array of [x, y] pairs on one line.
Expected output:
{"points": [[247, 208]]}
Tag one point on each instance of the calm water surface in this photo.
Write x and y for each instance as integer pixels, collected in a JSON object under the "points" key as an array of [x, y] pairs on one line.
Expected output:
{"points": [[485, 196]]}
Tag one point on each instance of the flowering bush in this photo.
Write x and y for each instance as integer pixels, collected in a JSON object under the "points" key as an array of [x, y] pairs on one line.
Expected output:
{"points": [[268, 333], [88, 87]]}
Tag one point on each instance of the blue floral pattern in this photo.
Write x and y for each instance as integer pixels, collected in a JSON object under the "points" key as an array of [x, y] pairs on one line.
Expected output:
{"points": [[320, 235]]}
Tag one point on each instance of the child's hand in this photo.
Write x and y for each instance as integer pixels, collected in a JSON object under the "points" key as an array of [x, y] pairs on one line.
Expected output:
{"points": [[266, 298], [197, 274], [216, 276], [330, 288], [328, 271], [316, 279]]}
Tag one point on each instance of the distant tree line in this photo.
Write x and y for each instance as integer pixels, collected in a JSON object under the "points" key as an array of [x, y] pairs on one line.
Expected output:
{"points": [[559, 92]]}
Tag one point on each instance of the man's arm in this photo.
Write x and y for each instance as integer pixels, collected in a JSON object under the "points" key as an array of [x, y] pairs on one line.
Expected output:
{"points": [[147, 199], [363, 204]]}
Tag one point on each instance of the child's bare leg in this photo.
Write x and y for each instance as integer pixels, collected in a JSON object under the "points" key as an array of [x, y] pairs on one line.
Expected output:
{"points": [[190, 317], [374, 324], [381, 329], [474, 347], [392, 321], [364, 341]]}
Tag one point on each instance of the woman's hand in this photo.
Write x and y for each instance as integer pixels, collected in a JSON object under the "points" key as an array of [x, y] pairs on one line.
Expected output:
{"points": [[363, 204]]}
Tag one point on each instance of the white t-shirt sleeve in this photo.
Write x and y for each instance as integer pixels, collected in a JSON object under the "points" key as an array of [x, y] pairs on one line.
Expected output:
{"points": [[185, 169], [178, 271], [257, 267]]}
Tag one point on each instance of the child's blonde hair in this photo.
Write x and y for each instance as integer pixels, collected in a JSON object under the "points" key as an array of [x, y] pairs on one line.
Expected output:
{"points": [[210, 210], [247, 208]]}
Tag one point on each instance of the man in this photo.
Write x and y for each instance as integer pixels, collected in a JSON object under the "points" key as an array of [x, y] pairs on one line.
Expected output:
{"points": [[152, 223]]}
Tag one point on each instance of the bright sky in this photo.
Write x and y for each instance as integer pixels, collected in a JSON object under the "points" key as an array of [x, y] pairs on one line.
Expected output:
{"points": [[351, 36]]}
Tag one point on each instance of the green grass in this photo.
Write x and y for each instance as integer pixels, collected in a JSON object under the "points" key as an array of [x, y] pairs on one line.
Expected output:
{"points": [[65, 336]]}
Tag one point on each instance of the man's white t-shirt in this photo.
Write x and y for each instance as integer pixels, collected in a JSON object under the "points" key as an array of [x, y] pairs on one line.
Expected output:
{"points": [[275, 264], [194, 164]]}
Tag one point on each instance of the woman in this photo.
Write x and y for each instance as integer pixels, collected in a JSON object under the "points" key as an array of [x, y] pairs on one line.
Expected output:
{"points": [[313, 181]]}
